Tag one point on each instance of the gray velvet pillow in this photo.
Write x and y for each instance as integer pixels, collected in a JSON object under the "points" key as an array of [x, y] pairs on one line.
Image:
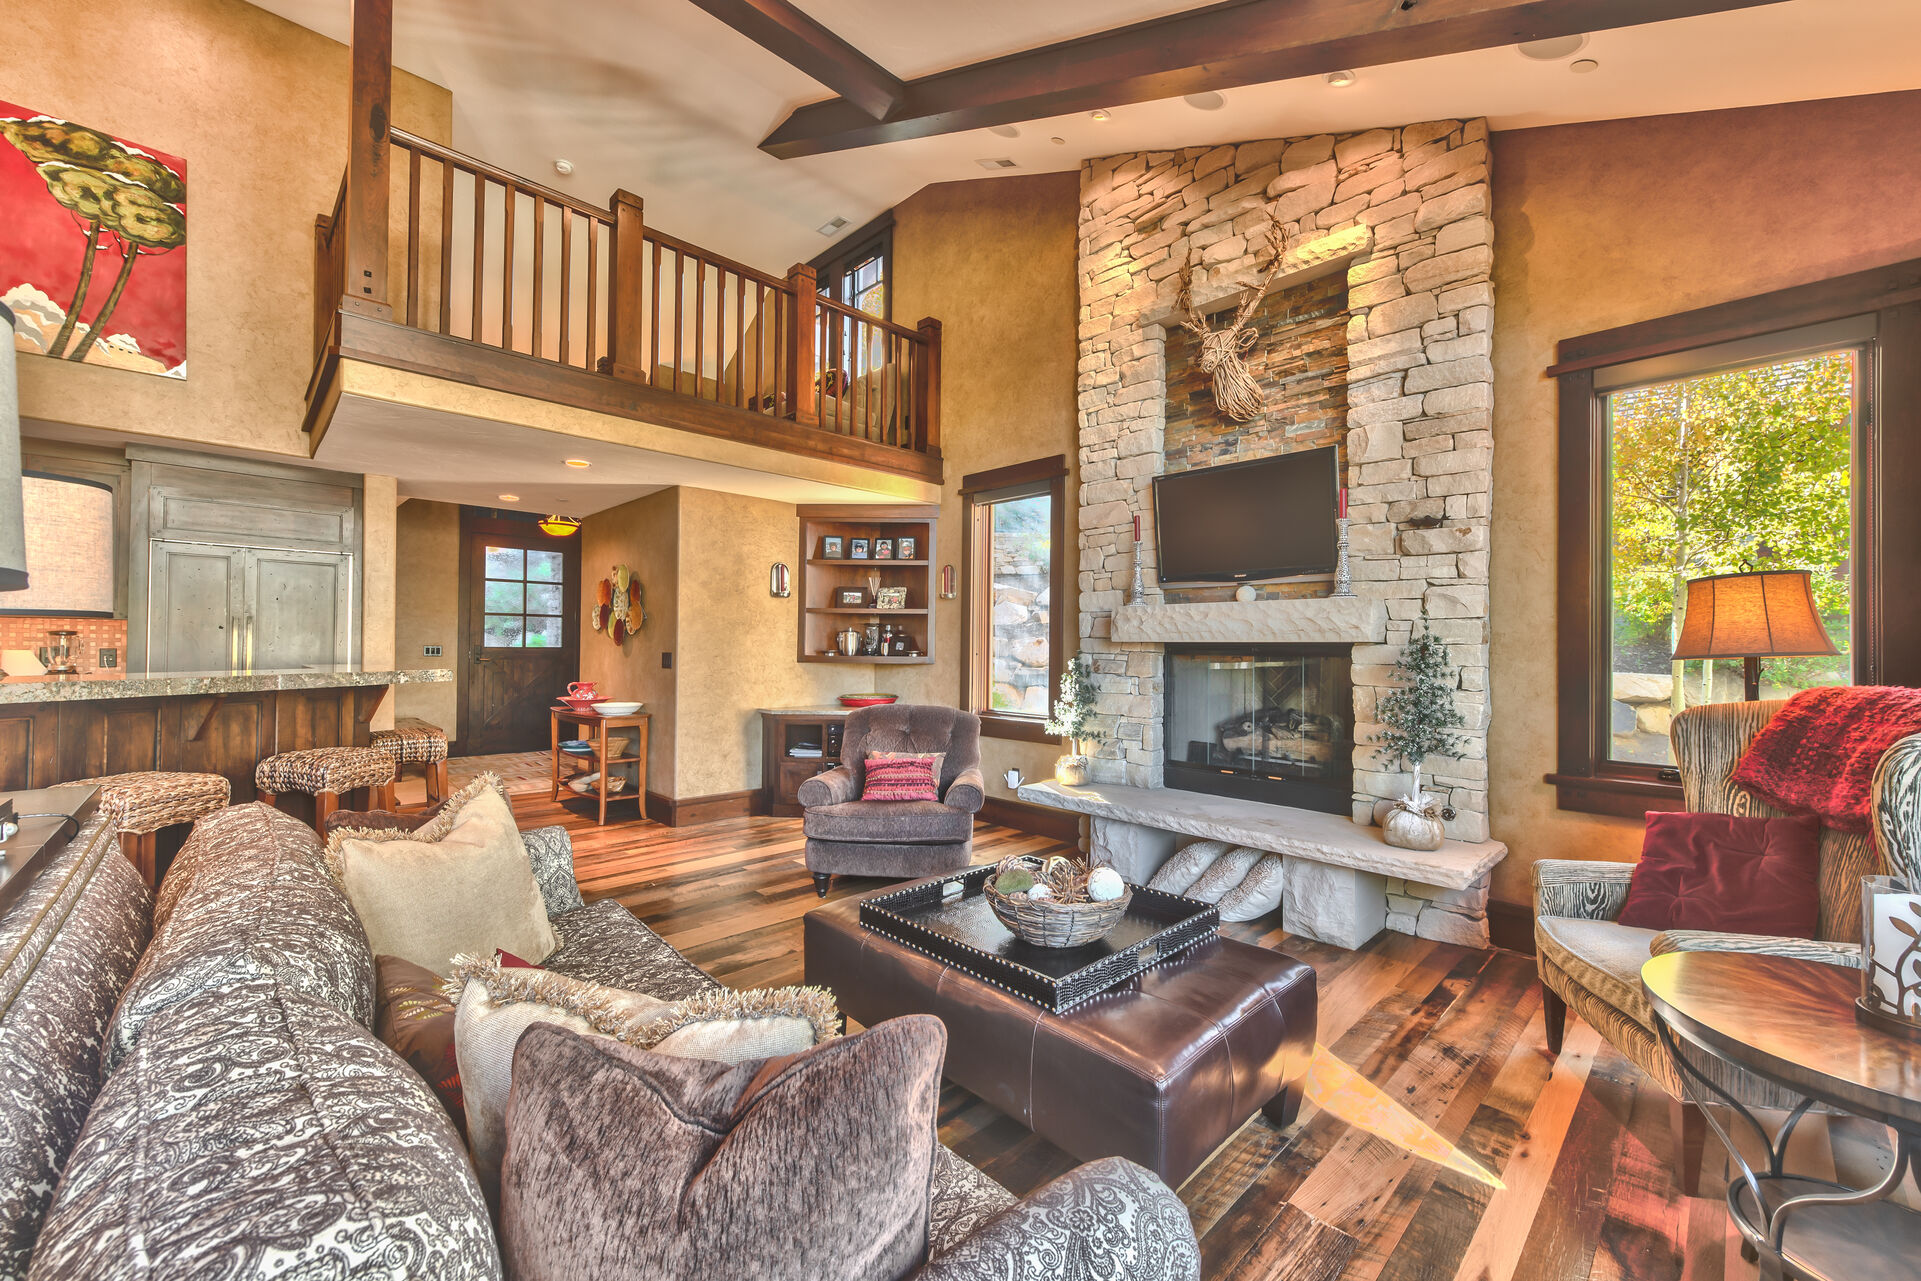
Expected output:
{"points": [[625, 1163]]}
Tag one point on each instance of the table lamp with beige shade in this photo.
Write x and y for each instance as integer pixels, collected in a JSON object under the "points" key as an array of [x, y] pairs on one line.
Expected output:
{"points": [[1751, 616]]}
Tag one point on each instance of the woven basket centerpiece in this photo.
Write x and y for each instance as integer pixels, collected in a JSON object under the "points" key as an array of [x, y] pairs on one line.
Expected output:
{"points": [[1046, 901]]}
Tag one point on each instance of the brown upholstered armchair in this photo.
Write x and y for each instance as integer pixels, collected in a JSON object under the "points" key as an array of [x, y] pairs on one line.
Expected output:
{"points": [[901, 839]]}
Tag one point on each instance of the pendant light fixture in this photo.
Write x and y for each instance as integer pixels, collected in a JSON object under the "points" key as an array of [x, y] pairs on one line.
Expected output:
{"points": [[559, 526]]}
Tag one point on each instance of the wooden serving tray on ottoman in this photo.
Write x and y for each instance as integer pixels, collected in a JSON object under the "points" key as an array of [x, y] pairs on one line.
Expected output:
{"points": [[965, 933], [1160, 1067]]}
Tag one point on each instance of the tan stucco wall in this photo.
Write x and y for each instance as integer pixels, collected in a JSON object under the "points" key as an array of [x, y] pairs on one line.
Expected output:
{"points": [[427, 607], [645, 536], [737, 640], [993, 259], [257, 107], [1605, 224]]}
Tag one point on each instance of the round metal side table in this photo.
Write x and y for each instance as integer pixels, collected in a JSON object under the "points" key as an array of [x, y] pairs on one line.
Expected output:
{"points": [[1792, 1022]]}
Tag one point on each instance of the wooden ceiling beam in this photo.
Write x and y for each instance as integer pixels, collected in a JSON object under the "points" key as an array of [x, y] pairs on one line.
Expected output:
{"points": [[1222, 46], [804, 44]]}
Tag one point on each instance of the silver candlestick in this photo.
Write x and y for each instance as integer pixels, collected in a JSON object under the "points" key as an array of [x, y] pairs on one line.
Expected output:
{"points": [[1343, 577], [1137, 595]]}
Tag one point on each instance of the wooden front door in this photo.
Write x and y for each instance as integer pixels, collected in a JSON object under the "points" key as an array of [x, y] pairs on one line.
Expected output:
{"points": [[520, 593]]}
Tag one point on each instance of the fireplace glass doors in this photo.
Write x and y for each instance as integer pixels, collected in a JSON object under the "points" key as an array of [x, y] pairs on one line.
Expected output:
{"points": [[1268, 723]]}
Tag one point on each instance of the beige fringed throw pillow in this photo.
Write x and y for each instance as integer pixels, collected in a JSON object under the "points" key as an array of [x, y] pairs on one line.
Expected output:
{"points": [[460, 885], [497, 1003]]}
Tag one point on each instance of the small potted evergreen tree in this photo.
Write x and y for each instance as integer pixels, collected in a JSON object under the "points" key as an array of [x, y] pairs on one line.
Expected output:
{"points": [[1073, 720], [1419, 717]]}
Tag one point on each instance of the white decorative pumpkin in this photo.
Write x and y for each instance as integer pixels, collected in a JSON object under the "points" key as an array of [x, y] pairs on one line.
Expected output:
{"points": [[1040, 894], [1104, 885], [1405, 829]]}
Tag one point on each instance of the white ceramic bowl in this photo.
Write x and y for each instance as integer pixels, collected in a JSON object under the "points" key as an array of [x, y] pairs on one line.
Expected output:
{"points": [[617, 709]]}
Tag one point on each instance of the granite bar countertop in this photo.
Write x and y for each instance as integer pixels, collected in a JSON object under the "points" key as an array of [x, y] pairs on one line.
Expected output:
{"points": [[109, 683]]}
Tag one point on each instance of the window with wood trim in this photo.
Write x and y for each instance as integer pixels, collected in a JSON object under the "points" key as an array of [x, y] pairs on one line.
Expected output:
{"points": [[1735, 438], [1014, 555]]}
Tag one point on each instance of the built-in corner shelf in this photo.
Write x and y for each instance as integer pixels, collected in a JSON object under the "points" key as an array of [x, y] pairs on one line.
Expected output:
{"points": [[1313, 620], [823, 575]]}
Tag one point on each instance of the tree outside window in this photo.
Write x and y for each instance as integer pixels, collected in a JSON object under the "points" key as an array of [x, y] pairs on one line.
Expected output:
{"points": [[1724, 472]]}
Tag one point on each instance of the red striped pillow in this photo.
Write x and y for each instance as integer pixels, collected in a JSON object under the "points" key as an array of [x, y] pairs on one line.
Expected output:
{"points": [[898, 777]]}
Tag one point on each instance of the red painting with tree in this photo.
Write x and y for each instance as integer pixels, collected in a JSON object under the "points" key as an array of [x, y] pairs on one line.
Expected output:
{"points": [[93, 259]]}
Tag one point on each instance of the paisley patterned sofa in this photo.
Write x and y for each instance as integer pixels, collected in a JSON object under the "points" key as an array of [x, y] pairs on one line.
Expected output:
{"points": [[188, 1085]]}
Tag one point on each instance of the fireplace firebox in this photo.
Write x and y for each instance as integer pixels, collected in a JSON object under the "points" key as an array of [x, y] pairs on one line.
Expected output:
{"points": [[1270, 723]]}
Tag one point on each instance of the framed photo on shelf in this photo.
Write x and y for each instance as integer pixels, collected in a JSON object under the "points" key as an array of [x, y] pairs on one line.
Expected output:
{"points": [[831, 547], [891, 598], [857, 549], [849, 598], [909, 549], [883, 549]]}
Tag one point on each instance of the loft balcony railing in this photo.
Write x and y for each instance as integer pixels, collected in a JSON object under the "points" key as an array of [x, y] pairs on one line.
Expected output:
{"points": [[537, 291]]}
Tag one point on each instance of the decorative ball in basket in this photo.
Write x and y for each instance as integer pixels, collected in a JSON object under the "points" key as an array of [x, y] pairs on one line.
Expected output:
{"points": [[1056, 901]]}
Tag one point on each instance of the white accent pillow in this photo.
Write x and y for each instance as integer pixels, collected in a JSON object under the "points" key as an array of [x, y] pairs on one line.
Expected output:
{"points": [[471, 890]]}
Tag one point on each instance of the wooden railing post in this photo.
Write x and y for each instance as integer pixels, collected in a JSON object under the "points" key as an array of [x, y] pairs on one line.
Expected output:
{"points": [[927, 389], [803, 387], [326, 296], [627, 289], [370, 113]]}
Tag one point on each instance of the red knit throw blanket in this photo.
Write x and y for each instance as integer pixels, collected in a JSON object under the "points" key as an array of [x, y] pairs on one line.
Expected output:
{"points": [[1817, 755]]}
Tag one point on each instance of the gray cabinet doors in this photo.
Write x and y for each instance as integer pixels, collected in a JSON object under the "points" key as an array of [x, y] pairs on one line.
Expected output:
{"points": [[212, 607]]}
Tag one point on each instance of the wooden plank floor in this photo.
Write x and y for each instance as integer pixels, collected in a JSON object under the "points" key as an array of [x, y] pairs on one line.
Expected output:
{"points": [[1566, 1172]]}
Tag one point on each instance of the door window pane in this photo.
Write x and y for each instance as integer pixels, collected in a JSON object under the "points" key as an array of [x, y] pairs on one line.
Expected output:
{"points": [[1719, 473], [523, 596], [1020, 547]]}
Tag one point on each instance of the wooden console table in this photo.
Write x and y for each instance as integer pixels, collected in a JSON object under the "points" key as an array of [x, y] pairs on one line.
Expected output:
{"points": [[601, 757], [782, 729]]}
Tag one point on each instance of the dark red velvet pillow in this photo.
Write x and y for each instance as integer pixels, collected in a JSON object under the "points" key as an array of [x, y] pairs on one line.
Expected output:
{"points": [[1728, 874]]}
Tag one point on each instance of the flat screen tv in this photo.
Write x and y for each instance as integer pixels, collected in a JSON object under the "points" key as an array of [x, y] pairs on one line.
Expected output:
{"points": [[1269, 518]]}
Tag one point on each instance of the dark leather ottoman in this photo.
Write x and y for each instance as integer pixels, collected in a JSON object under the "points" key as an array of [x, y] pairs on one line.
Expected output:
{"points": [[1160, 1070]]}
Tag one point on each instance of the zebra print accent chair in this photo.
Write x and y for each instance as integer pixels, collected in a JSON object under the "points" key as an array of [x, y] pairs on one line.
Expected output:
{"points": [[1591, 964]]}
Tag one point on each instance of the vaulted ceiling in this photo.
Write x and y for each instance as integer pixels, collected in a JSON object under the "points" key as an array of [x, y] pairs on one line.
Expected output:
{"points": [[661, 98]]}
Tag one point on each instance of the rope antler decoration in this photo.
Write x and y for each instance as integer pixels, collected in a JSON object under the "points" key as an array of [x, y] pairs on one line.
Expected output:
{"points": [[1235, 391]]}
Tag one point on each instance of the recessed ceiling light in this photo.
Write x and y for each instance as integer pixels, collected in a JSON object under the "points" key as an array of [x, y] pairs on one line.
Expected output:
{"points": [[1005, 131], [1207, 101], [577, 462], [1100, 113], [1058, 142], [996, 162], [832, 228], [563, 167], [1581, 66], [1552, 49], [1341, 79], [510, 498]]}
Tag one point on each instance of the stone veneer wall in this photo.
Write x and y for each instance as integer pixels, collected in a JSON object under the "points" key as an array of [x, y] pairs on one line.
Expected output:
{"points": [[1404, 212]]}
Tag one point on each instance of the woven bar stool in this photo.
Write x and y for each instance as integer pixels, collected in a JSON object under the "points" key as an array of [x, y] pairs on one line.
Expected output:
{"points": [[141, 804], [326, 774], [413, 741]]}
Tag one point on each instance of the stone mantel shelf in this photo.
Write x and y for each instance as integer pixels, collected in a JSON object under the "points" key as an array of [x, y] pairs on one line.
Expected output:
{"points": [[1330, 839], [1313, 620]]}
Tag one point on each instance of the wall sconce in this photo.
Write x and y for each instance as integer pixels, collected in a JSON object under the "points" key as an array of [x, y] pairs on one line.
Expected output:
{"points": [[948, 580], [777, 581]]}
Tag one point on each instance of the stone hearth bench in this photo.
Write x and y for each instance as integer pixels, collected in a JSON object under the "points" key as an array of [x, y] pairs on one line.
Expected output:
{"points": [[1341, 882]]}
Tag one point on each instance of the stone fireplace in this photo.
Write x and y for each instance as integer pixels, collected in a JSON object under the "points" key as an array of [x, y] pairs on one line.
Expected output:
{"points": [[1375, 338], [1263, 722]]}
